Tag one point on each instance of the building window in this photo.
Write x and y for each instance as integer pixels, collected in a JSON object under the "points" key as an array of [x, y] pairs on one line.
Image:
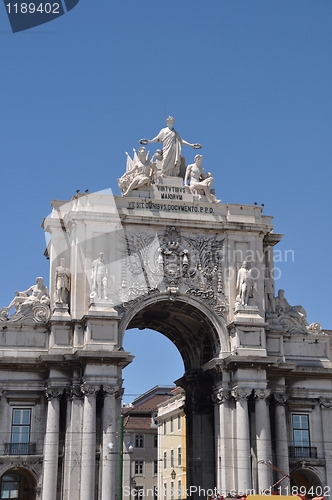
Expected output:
{"points": [[164, 427], [155, 467], [172, 490], [301, 430], [172, 458], [139, 467], [179, 422], [165, 460], [165, 491], [10, 486], [179, 456], [139, 492], [155, 493], [20, 436], [139, 441], [155, 441], [301, 447], [179, 489], [172, 425]]}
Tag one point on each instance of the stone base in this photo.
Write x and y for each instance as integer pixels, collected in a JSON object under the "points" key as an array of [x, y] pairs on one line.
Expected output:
{"points": [[101, 307], [170, 181], [247, 314], [60, 312]]}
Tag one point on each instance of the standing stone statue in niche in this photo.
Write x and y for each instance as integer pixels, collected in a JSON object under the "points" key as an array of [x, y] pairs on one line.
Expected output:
{"points": [[62, 283], [244, 285], [140, 175], [172, 145], [99, 278], [198, 180]]}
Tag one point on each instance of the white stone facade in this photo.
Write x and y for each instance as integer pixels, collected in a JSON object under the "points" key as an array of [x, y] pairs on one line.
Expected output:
{"points": [[258, 378]]}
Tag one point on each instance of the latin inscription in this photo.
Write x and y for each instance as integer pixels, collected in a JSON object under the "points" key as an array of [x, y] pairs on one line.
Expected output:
{"points": [[149, 205]]}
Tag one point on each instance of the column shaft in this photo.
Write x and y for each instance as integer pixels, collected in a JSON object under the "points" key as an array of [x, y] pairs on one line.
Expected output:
{"points": [[281, 440], [88, 458], [108, 489], [242, 443], [326, 409], [73, 449], [263, 441], [224, 446], [51, 449]]}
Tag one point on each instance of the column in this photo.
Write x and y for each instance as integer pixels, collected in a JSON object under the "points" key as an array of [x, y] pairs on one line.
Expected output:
{"points": [[73, 445], [326, 410], [51, 444], [108, 489], [282, 454], [263, 439], [242, 439], [88, 458], [224, 440]]}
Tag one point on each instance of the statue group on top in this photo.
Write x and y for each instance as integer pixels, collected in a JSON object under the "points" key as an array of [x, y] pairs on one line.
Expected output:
{"points": [[143, 172]]}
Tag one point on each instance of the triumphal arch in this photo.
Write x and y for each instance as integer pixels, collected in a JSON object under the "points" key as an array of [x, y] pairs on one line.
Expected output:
{"points": [[165, 254]]}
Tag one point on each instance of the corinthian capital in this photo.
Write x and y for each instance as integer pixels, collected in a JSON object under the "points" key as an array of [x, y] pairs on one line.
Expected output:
{"points": [[241, 393], [280, 398], [89, 389], [109, 390], [218, 396], [75, 392], [262, 394], [325, 402], [53, 392]]}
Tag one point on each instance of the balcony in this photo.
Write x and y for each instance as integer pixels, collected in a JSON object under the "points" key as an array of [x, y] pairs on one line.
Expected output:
{"points": [[302, 451], [20, 448]]}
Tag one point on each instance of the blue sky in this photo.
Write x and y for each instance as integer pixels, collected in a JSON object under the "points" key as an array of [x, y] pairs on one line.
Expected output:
{"points": [[251, 80]]}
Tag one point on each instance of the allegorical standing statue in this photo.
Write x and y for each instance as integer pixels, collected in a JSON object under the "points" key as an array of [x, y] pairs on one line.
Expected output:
{"points": [[172, 145], [99, 278], [62, 283], [244, 285]]}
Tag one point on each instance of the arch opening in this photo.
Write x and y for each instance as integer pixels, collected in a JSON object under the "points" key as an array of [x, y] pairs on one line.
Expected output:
{"points": [[192, 330], [18, 483], [306, 481]]}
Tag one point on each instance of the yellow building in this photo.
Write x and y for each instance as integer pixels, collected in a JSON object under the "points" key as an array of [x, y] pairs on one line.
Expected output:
{"points": [[172, 447]]}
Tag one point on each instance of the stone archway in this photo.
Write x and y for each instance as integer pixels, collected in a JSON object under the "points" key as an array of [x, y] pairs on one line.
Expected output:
{"points": [[196, 331], [306, 480], [20, 482], [200, 336]]}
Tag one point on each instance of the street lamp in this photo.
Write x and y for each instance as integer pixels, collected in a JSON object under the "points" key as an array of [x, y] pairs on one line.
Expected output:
{"points": [[173, 474]]}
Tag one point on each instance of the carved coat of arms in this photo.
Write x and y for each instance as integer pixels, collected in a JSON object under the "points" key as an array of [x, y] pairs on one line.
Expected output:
{"points": [[174, 263]]}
